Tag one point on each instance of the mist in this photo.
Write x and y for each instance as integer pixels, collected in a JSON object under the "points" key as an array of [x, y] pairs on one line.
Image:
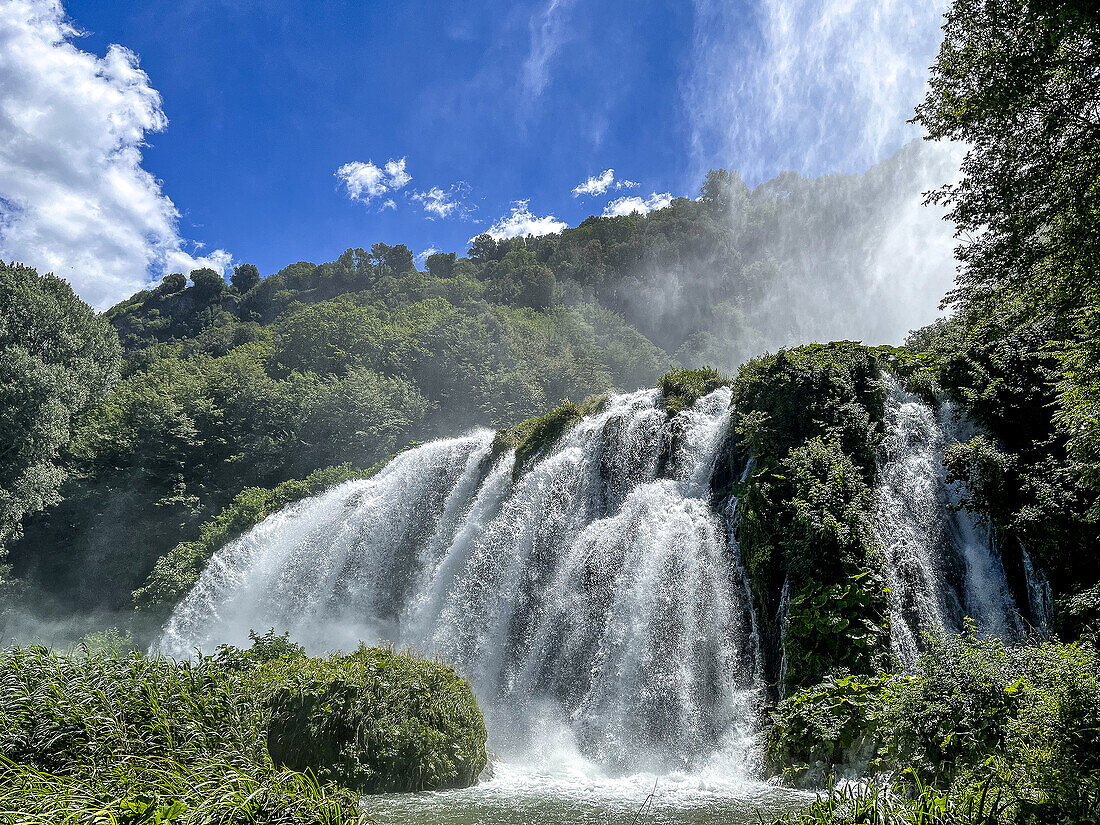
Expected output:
{"points": [[810, 101]]}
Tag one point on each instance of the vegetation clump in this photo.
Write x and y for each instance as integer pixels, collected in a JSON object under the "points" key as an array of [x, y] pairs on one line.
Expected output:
{"points": [[682, 388], [1021, 723], [121, 737], [811, 417], [372, 721], [533, 438]]}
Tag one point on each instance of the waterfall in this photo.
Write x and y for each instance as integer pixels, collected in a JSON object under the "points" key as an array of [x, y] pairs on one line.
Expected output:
{"points": [[599, 593], [941, 565], [1040, 600], [598, 598]]}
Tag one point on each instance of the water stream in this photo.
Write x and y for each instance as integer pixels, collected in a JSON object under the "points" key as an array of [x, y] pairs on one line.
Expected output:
{"points": [[596, 601]]}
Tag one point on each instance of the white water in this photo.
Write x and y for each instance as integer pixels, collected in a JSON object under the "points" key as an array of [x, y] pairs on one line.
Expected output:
{"points": [[941, 566], [596, 602]]}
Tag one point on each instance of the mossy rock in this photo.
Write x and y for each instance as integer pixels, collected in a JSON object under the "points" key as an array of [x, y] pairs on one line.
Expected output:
{"points": [[682, 388], [374, 721], [533, 438]]}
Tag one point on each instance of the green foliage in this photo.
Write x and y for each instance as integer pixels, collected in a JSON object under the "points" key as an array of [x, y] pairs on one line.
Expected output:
{"points": [[973, 714], [531, 439], [824, 729], [178, 570], [1019, 84], [904, 803], [266, 647], [682, 388], [823, 390], [812, 419], [56, 359], [373, 721], [120, 737]]}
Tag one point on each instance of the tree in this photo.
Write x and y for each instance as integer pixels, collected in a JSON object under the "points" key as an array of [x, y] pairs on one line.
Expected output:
{"points": [[57, 358], [208, 283], [171, 284], [1018, 81], [245, 277], [441, 264]]}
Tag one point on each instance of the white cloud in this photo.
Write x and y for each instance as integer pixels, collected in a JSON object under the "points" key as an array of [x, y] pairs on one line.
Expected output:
{"points": [[522, 222], [595, 185], [626, 184], [365, 181], [444, 203], [422, 258], [629, 204], [74, 198], [549, 32]]}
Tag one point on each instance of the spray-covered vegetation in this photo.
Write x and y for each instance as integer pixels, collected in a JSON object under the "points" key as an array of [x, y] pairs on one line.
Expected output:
{"points": [[812, 417], [973, 718], [116, 736]]}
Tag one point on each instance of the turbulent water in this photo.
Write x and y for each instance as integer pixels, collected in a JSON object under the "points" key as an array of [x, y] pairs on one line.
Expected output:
{"points": [[596, 600], [599, 592], [941, 565]]}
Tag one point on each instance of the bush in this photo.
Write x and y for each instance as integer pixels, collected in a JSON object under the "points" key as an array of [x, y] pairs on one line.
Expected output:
{"points": [[129, 739], [1020, 723], [824, 729], [682, 388], [373, 721], [533, 438], [812, 419]]}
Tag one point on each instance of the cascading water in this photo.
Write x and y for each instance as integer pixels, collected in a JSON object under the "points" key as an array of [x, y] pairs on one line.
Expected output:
{"points": [[941, 566], [599, 592]]}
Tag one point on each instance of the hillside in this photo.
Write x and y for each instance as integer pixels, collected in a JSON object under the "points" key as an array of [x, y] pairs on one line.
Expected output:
{"points": [[261, 380]]}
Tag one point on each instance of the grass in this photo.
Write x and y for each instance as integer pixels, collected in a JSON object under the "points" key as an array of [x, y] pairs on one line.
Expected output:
{"points": [[906, 803], [122, 738]]}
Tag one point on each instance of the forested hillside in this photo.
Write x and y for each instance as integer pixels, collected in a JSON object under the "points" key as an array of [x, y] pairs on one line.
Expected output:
{"points": [[254, 382]]}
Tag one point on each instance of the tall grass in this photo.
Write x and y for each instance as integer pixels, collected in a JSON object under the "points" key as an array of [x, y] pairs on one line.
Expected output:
{"points": [[126, 739]]}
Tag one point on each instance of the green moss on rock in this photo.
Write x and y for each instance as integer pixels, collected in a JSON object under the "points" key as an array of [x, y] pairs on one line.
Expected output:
{"points": [[533, 438], [373, 721], [682, 388]]}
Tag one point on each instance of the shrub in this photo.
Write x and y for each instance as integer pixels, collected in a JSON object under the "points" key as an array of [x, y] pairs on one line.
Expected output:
{"points": [[823, 729], [682, 388], [373, 721], [533, 438], [973, 715], [812, 419]]}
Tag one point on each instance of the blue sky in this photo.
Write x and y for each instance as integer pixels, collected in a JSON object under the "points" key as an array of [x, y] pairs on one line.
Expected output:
{"points": [[496, 110]]}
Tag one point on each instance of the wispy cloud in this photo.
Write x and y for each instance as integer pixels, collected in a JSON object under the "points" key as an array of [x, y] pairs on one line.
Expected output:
{"points": [[422, 257], [630, 204], [444, 203], [595, 185], [626, 184], [522, 222], [74, 196], [364, 181], [549, 32]]}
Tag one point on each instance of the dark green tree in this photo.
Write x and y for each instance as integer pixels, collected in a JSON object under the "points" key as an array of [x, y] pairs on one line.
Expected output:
{"points": [[245, 277], [208, 284], [1018, 81], [56, 359], [441, 264]]}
